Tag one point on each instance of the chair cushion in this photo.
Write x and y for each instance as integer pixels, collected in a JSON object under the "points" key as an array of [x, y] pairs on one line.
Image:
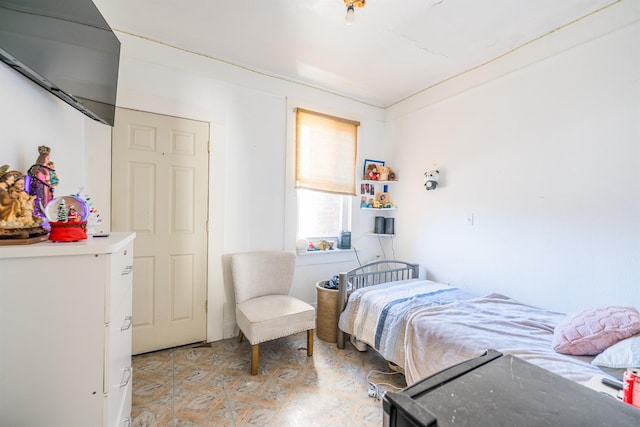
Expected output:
{"points": [[274, 316]]}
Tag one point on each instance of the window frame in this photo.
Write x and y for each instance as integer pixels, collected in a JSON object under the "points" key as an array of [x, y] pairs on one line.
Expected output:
{"points": [[291, 241]]}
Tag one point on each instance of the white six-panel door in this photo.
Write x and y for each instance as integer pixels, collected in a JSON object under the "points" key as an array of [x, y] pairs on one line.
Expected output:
{"points": [[159, 190]]}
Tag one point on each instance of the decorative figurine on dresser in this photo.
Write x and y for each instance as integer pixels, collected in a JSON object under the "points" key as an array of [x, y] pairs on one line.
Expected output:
{"points": [[28, 210], [43, 179], [18, 224]]}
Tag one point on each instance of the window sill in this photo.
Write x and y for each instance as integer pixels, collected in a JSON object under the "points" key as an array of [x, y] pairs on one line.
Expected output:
{"points": [[324, 257]]}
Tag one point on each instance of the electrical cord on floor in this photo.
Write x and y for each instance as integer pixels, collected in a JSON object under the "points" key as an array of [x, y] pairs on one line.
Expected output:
{"points": [[378, 390]]}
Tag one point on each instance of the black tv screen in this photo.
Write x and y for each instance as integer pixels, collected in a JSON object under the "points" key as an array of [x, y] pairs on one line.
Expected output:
{"points": [[67, 48]]}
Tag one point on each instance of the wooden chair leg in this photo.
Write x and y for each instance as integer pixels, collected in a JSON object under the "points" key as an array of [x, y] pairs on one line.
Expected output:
{"points": [[254, 359], [310, 333], [240, 336]]}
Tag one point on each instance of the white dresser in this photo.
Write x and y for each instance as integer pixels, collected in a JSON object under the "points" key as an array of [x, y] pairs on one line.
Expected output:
{"points": [[65, 332]]}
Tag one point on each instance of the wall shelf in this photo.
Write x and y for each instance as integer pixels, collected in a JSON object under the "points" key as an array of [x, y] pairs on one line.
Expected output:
{"points": [[368, 181], [371, 193]]}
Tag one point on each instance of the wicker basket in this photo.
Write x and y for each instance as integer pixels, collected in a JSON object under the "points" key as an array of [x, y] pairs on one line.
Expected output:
{"points": [[327, 314]]}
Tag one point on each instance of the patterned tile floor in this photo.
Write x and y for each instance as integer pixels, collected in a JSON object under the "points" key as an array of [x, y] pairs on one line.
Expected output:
{"points": [[210, 385]]}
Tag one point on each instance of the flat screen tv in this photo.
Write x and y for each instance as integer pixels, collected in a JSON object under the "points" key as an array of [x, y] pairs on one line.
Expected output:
{"points": [[67, 48]]}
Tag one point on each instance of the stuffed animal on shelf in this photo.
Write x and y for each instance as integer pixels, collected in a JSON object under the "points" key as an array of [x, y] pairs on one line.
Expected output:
{"points": [[431, 179], [383, 172], [392, 175], [371, 173]]}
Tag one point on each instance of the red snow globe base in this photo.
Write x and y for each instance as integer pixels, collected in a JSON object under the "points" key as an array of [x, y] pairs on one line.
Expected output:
{"points": [[68, 231]]}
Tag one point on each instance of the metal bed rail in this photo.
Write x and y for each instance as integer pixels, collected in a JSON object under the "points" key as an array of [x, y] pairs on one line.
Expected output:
{"points": [[371, 274]]}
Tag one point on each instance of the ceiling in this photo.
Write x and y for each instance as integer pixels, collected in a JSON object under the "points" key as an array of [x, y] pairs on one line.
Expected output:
{"points": [[393, 50]]}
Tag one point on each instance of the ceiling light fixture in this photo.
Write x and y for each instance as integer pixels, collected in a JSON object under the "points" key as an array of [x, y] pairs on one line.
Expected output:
{"points": [[350, 17]]}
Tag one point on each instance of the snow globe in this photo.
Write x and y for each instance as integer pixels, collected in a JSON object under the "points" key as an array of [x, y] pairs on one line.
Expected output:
{"points": [[67, 217]]}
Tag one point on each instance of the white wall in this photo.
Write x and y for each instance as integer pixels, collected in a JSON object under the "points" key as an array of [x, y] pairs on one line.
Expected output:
{"points": [[547, 160]]}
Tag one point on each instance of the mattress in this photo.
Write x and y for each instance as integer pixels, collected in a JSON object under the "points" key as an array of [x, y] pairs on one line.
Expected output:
{"points": [[377, 315]]}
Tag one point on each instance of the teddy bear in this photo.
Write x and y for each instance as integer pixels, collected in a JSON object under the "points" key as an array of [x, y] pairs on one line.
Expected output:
{"points": [[392, 175], [431, 179], [383, 172], [371, 172]]}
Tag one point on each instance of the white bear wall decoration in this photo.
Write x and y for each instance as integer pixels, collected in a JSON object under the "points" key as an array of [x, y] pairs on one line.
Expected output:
{"points": [[431, 179]]}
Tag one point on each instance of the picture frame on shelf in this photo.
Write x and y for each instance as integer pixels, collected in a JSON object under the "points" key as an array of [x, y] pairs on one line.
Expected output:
{"points": [[369, 165]]}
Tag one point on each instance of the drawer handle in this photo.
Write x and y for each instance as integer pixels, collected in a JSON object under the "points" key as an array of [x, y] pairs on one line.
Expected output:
{"points": [[126, 377], [128, 321], [127, 270]]}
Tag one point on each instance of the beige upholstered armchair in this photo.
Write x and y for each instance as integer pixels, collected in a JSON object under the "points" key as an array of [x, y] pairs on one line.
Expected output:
{"points": [[264, 309]]}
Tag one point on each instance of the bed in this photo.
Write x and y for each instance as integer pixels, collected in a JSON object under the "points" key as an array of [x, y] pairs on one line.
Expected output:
{"points": [[368, 275], [424, 326], [378, 299], [443, 336]]}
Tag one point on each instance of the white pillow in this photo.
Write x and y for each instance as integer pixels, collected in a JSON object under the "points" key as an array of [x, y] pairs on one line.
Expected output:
{"points": [[624, 354]]}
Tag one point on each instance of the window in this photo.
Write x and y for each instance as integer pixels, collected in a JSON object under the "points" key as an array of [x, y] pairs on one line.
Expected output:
{"points": [[322, 215], [325, 173]]}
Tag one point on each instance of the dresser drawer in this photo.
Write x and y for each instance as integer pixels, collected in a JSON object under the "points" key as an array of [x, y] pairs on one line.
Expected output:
{"points": [[121, 279], [118, 369], [117, 407], [119, 410], [118, 343]]}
